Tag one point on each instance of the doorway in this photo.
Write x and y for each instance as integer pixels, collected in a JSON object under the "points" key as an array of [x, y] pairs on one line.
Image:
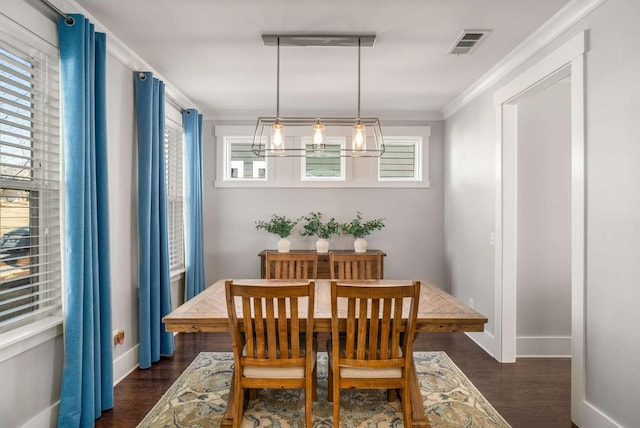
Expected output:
{"points": [[567, 61], [543, 270]]}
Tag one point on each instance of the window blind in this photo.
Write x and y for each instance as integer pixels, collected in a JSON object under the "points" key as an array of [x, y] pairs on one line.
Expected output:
{"points": [[173, 149], [30, 262]]}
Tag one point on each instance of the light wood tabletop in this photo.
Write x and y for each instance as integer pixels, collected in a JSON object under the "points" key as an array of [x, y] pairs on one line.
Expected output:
{"points": [[438, 311]]}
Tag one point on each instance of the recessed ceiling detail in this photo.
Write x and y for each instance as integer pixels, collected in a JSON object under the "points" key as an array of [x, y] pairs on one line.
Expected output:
{"points": [[467, 41]]}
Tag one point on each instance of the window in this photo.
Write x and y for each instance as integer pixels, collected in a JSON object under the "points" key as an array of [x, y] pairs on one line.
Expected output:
{"points": [[242, 163], [323, 165], [173, 150], [401, 159], [30, 262], [405, 164]]}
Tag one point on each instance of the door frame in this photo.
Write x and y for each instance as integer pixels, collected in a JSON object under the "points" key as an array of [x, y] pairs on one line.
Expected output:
{"points": [[565, 61]]}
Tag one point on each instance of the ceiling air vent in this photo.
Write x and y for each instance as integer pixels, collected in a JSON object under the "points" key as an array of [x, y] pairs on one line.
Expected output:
{"points": [[467, 41]]}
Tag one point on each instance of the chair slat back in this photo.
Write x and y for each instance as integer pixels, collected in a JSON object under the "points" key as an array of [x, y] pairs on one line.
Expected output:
{"points": [[291, 265], [355, 266], [375, 323], [270, 330]]}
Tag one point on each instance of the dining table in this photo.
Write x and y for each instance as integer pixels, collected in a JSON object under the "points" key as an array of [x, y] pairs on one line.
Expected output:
{"points": [[438, 311]]}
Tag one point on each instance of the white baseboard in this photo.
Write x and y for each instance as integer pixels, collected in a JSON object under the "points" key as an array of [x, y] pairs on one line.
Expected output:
{"points": [[543, 346], [48, 418], [122, 367], [486, 341], [592, 417], [125, 364]]}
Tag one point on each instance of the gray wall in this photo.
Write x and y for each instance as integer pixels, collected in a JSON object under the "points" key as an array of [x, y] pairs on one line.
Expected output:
{"points": [[469, 205], [613, 206], [413, 236], [544, 223]]}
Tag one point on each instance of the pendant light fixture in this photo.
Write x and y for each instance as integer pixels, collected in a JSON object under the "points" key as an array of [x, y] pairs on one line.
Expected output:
{"points": [[366, 135], [277, 131], [318, 139], [359, 136]]}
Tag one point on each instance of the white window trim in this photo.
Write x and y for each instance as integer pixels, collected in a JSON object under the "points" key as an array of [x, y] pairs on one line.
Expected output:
{"points": [[177, 273], [286, 172], [21, 339]]}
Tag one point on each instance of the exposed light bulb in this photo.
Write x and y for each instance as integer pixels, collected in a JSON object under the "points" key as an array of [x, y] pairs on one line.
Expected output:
{"points": [[277, 138], [318, 136], [359, 139]]}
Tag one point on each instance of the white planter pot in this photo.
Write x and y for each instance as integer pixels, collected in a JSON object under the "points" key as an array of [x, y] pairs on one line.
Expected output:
{"points": [[360, 245], [284, 245], [322, 245]]}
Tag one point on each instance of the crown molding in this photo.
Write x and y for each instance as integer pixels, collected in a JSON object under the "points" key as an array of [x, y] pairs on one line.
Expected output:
{"points": [[566, 17]]}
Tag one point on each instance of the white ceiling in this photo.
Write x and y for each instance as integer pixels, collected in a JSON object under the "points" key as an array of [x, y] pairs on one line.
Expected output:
{"points": [[212, 51]]}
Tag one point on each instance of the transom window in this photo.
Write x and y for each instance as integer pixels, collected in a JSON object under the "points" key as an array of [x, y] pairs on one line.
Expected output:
{"points": [[403, 165], [326, 164], [242, 163], [401, 159]]}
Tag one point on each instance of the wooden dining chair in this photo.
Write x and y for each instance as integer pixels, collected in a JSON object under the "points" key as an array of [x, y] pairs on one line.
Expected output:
{"points": [[273, 342], [376, 351], [355, 266], [302, 265]]}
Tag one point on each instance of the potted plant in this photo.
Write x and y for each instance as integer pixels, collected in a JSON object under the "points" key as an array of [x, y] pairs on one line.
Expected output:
{"points": [[360, 229], [281, 226], [323, 230]]}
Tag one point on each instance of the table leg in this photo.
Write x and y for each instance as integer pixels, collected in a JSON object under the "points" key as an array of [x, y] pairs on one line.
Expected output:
{"points": [[418, 417], [227, 419]]}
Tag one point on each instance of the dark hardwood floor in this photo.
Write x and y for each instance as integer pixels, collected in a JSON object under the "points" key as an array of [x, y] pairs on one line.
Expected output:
{"points": [[532, 393]]}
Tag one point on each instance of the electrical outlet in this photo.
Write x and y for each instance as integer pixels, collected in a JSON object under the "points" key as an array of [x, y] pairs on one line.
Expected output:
{"points": [[471, 302], [118, 337], [492, 239]]}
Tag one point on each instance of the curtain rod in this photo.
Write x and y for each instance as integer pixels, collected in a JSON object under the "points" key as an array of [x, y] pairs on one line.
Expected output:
{"points": [[176, 103], [70, 20], [60, 13], [168, 97]]}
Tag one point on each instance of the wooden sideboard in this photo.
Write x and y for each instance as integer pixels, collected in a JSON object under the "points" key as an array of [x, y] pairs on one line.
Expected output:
{"points": [[323, 261]]}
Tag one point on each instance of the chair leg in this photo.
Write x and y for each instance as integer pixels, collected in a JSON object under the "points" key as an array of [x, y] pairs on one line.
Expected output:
{"points": [[330, 384], [336, 399], [393, 396], [253, 394], [336, 407], [406, 406], [310, 392], [239, 403], [315, 383]]}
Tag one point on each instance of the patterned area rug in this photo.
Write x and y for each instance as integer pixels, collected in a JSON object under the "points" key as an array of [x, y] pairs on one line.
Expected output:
{"points": [[198, 399]]}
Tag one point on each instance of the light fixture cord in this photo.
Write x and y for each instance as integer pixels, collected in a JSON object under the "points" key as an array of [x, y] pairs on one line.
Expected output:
{"points": [[358, 78], [278, 83]]}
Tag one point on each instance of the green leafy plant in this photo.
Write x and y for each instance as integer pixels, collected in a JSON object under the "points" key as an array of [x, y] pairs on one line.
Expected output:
{"points": [[278, 224], [358, 228], [315, 226]]}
